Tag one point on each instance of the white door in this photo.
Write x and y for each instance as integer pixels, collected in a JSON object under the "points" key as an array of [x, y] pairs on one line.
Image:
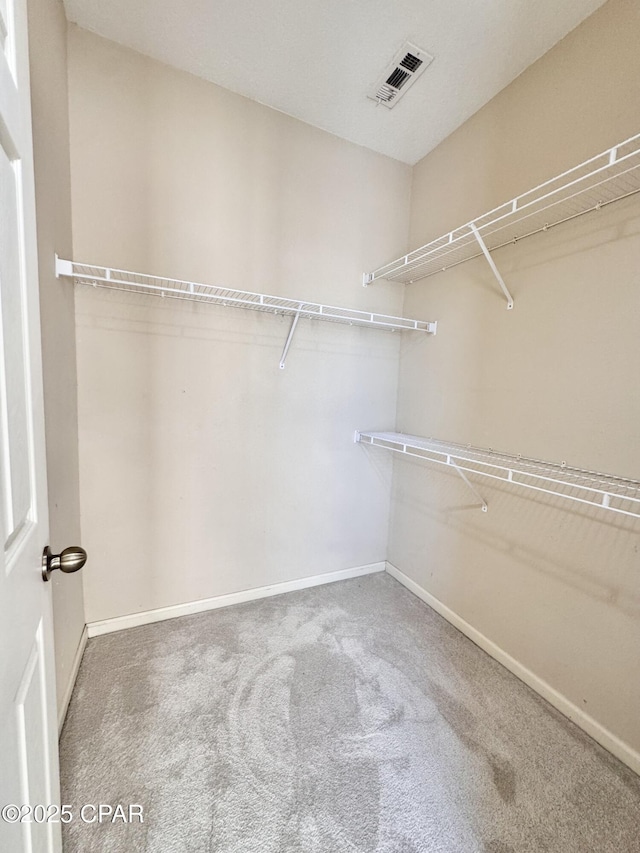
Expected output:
{"points": [[28, 731]]}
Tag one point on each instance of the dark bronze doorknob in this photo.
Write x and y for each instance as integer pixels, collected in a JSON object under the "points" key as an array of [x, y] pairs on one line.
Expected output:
{"points": [[69, 560]]}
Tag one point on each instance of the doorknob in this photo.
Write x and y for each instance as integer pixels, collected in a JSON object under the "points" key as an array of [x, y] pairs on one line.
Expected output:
{"points": [[69, 560]]}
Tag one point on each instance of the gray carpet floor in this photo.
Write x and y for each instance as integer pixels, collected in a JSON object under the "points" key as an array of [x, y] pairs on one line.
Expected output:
{"points": [[348, 717]]}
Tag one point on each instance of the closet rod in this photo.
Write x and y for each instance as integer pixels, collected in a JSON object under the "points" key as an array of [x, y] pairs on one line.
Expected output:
{"points": [[603, 491], [169, 288]]}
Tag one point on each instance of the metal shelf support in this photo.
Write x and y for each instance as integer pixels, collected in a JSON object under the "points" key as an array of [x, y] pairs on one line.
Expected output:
{"points": [[483, 503], [496, 271], [292, 329]]}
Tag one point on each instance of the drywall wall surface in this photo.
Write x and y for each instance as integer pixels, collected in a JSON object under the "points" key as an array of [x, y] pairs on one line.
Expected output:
{"points": [[554, 584], [205, 469], [48, 58]]}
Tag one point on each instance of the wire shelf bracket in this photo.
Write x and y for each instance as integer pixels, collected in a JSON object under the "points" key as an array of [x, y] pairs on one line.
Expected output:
{"points": [[133, 282], [591, 186], [483, 504], [492, 264], [292, 329], [603, 491]]}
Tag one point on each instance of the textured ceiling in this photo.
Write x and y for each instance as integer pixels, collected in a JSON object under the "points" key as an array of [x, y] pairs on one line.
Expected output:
{"points": [[317, 59]]}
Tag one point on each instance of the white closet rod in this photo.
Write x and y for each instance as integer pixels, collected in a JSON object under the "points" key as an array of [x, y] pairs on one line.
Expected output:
{"points": [[604, 491], [117, 279]]}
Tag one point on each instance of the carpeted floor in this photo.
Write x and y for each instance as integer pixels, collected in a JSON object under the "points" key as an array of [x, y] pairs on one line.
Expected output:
{"points": [[348, 717]]}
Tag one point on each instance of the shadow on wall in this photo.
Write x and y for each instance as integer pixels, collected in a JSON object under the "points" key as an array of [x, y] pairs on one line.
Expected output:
{"points": [[598, 540], [156, 317], [589, 233]]}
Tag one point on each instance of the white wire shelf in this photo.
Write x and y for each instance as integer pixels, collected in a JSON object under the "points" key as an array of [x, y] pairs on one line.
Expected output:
{"points": [[605, 491], [591, 186], [168, 288]]}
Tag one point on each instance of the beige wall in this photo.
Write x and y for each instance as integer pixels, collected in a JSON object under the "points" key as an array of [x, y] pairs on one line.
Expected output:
{"points": [[554, 585], [48, 54], [204, 468]]}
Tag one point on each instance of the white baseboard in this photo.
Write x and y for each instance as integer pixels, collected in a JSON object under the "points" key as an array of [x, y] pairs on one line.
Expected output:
{"points": [[71, 681], [145, 617], [592, 727]]}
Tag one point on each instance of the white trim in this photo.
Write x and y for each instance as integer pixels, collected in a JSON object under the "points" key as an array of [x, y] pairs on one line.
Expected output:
{"points": [[592, 727], [145, 617], [71, 681]]}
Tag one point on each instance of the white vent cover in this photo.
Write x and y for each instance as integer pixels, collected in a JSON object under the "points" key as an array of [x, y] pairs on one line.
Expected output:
{"points": [[407, 65]]}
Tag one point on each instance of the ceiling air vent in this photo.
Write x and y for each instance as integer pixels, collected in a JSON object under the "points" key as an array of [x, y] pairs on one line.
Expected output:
{"points": [[408, 64]]}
